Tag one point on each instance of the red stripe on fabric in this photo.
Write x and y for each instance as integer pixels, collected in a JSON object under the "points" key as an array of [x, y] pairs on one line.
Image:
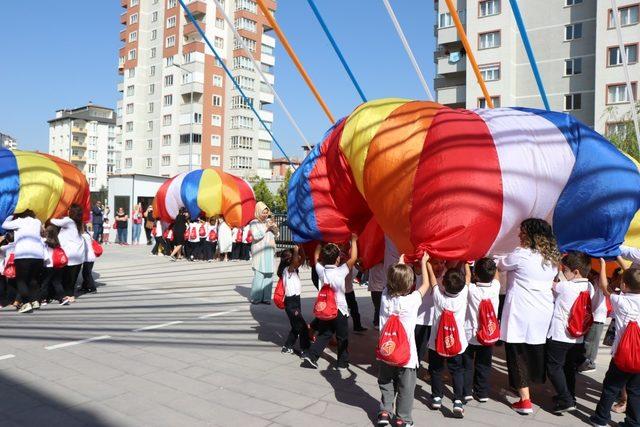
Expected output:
{"points": [[247, 200], [457, 193], [159, 205]]}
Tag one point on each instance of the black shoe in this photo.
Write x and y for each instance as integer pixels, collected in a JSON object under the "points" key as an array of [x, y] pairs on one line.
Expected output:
{"points": [[92, 291], [359, 328], [308, 362], [384, 418], [286, 350], [458, 409], [561, 408], [265, 302]]}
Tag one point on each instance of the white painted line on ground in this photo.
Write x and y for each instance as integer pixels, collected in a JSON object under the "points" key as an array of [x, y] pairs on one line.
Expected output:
{"points": [[72, 343], [163, 292], [148, 328], [219, 313], [7, 356]]}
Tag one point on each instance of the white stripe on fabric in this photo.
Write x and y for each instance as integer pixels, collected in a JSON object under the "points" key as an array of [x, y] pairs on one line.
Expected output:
{"points": [[173, 201], [536, 162]]}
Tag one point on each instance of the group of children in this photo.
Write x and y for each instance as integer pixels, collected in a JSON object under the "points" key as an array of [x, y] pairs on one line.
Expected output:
{"points": [[550, 321]]}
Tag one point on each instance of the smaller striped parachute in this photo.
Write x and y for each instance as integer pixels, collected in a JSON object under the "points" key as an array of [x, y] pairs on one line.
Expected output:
{"points": [[43, 183], [206, 192]]}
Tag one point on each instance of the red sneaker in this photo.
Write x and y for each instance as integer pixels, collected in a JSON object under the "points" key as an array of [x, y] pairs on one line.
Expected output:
{"points": [[523, 407]]}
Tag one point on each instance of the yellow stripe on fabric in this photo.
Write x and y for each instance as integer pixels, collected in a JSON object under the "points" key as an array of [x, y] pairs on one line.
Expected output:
{"points": [[210, 193], [41, 184], [360, 128], [632, 238]]}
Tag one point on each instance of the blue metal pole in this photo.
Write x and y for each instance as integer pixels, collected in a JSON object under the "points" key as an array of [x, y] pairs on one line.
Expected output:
{"points": [[527, 48], [316, 12], [235, 83]]}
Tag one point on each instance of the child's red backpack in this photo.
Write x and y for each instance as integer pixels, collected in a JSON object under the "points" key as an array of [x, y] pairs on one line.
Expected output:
{"points": [[97, 248], [607, 300], [393, 345], [278, 294], [239, 235], [580, 316], [447, 339], [59, 258], [154, 231], [10, 267], [169, 235], [249, 237], [193, 234], [488, 325], [213, 236], [627, 357], [186, 234], [202, 232], [325, 307]]}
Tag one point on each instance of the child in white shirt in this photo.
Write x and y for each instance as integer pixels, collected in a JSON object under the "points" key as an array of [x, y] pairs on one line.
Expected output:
{"points": [[290, 261], [452, 298], [331, 272], [563, 350], [626, 308], [477, 357], [398, 383]]}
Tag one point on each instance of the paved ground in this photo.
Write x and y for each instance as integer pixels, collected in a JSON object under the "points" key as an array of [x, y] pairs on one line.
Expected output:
{"points": [[176, 344]]}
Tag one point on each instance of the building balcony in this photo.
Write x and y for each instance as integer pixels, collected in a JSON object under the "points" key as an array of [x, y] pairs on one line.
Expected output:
{"points": [[79, 130], [445, 66], [121, 87], [452, 95], [78, 144], [194, 46], [123, 35], [193, 87], [197, 8], [191, 30], [268, 40], [123, 18], [447, 35], [267, 59], [267, 97], [265, 115], [124, 3], [191, 128], [78, 159]]}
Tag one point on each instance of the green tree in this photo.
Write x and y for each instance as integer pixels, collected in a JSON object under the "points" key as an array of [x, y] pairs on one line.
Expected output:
{"points": [[624, 136], [99, 195], [280, 200], [262, 193]]}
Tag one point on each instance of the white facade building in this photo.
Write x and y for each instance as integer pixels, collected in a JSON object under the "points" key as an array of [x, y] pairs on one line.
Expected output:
{"points": [[87, 137], [7, 141]]}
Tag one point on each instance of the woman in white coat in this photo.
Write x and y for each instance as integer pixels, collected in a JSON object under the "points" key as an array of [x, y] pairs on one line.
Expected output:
{"points": [[225, 239], [71, 240]]}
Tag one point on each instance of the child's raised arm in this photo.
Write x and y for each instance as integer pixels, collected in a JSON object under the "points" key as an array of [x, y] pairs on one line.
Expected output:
{"points": [[604, 281], [354, 251], [467, 273], [621, 262], [426, 280], [316, 253], [297, 259]]}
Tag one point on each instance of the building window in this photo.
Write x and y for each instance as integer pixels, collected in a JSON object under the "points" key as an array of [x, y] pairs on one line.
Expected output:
{"points": [[246, 82], [482, 102], [241, 162], [240, 102], [128, 162], [131, 73], [251, 44], [218, 42], [490, 72], [129, 108], [92, 168], [241, 122], [445, 20], [215, 140], [197, 118], [264, 164], [171, 22], [171, 4], [129, 127], [572, 2], [216, 120], [154, 16], [152, 88], [152, 52], [618, 94], [150, 107], [168, 80], [133, 36], [220, 23], [166, 160], [488, 8], [620, 129], [216, 100], [217, 80], [243, 142], [166, 140], [572, 66], [267, 50], [215, 160], [149, 162], [489, 40], [246, 24], [572, 31], [133, 3], [242, 62], [264, 144], [171, 41], [128, 144], [154, 34], [166, 120], [573, 101], [150, 125], [149, 144], [132, 55], [170, 60], [190, 137], [249, 5], [133, 18], [614, 58], [152, 70], [168, 100], [628, 16]]}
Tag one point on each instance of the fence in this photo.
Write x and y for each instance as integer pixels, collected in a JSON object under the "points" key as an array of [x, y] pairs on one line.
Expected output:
{"points": [[285, 238]]}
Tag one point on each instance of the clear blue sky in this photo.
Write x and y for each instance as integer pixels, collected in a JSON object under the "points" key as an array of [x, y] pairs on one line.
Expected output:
{"points": [[62, 54]]}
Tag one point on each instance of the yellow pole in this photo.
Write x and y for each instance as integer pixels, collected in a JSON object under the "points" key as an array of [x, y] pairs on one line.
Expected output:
{"points": [[467, 47], [294, 58]]}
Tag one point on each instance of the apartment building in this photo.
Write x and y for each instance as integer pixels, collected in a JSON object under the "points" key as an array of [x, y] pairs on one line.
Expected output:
{"points": [[87, 137], [574, 43], [179, 111], [7, 141]]}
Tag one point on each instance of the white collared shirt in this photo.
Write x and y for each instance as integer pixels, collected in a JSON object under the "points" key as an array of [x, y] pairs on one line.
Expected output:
{"points": [[626, 307], [335, 276], [292, 284]]}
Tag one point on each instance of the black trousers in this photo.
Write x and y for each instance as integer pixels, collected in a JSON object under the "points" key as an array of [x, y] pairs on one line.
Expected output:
{"points": [[352, 303], [51, 284], [88, 284], [376, 298], [236, 250], [314, 278], [422, 333], [147, 232], [326, 328], [455, 366], [298, 324], [563, 359], [28, 273], [245, 253], [614, 381], [8, 291], [477, 370], [69, 278]]}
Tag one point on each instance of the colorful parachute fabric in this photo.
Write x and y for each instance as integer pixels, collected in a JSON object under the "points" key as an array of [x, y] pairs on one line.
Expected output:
{"points": [[207, 192], [457, 183], [45, 184]]}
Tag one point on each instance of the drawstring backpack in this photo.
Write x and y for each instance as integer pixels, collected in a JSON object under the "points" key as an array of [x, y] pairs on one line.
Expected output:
{"points": [[154, 231], [97, 248], [278, 294], [447, 339], [59, 258], [192, 233], [627, 357], [325, 307], [213, 236], [393, 345], [488, 325], [10, 267], [249, 237], [239, 235], [580, 316], [203, 231]]}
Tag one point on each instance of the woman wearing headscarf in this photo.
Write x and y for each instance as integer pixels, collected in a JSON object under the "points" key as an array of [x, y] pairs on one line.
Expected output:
{"points": [[263, 247]]}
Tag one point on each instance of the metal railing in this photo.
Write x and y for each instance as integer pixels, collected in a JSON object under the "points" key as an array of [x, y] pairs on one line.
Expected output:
{"points": [[285, 237]]}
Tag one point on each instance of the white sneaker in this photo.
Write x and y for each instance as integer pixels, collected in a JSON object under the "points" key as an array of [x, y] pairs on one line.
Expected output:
{"points": [[35, 305], [26, 308], [436, 403], [468, 398]]}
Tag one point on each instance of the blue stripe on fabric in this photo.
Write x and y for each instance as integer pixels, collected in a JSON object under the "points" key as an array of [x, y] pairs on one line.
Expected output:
{"points": [[602, 196], [189, 192], [9, 184], [300, 209]]}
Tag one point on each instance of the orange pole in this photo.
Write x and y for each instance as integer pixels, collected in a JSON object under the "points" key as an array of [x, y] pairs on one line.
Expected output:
{"points": [[294, 58], [467, 47]]}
